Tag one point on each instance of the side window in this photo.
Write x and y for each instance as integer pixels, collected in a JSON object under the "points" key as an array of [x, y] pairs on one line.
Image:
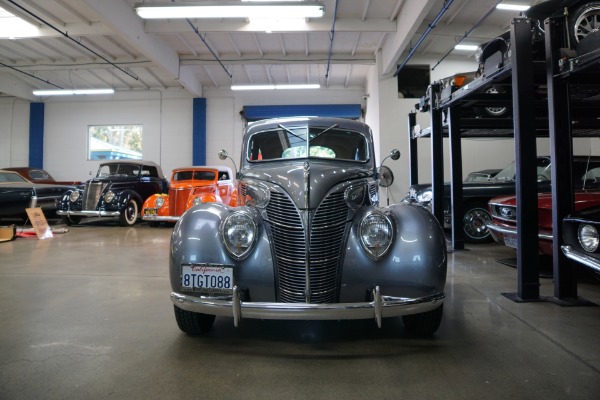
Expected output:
{"points": [[149, 171], [592, 174]]}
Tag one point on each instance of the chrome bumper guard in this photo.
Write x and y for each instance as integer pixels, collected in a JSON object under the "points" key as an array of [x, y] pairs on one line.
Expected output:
{"points": [[381, 307], [90, 213], [582, 258], [511, 231]]}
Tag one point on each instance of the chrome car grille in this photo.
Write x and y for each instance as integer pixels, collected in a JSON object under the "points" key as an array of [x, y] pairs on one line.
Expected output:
{"points": [[320, 283], [91, 195]]}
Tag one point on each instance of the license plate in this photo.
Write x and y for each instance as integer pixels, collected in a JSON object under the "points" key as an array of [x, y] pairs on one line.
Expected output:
{"points": [[510, 241], [206, 278], [150, 211]]}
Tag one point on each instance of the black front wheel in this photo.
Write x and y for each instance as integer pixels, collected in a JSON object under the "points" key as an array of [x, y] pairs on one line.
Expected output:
{"points": [[193, 323], [129, 215], [424, 324]]}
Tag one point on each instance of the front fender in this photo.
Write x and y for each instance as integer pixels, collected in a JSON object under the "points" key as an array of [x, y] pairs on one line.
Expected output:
{"points": [[123, 199], [415, 264], [197, 239], [151, 203]]}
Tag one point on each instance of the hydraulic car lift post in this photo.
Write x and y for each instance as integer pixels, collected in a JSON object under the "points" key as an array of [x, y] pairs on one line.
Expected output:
{"points": [[528, 283], [456, 182], [437, 158], [412, 150]]}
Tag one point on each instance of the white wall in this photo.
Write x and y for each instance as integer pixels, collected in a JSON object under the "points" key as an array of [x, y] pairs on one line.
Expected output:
{"points": [[14, 132]]}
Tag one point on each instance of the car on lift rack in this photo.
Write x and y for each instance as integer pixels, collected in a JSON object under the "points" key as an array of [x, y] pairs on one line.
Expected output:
{"points": [[476, 195], [190, 186], [308, 239], [118, 190]]}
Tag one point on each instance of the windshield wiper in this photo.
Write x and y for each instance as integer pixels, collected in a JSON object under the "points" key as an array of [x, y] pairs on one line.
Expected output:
{"points": [[323, 131], [290, 131]]}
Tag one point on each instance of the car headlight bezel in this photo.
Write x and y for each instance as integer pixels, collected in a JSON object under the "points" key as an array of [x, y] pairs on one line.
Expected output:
{"points": [[425, 197], [376, 234], [588, 237], [355, 196], [159, 202], [257, 196], [239, 234], [74, 196], [109, 196]]}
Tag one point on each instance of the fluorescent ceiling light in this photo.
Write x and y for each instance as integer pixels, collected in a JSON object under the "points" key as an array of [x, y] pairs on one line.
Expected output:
{"points": [[12, 27], [469, 47], [274, 87], [279, 9], [512, 7], [71, 92]]}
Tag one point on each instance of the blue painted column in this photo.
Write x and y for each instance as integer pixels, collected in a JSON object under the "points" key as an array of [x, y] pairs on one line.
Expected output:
{"points": [[199, 131], [36, 135]]}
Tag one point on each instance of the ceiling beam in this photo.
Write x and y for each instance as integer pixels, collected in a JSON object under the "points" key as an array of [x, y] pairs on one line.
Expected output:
{"points": [[119, 16], [16, 87], [278, 58]]}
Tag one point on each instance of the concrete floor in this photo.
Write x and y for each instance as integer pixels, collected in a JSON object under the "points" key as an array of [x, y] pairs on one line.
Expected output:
{"points": [[86, 315]]}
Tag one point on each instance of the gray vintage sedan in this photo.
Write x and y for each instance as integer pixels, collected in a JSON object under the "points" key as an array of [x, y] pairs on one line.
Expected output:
{"points": [[308, 239]]}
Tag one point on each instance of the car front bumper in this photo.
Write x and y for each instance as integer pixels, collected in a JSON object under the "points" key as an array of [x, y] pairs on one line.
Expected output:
{"points": [[161, 218], [381, 307], [581, 258], [90, 213], [499, 231]]}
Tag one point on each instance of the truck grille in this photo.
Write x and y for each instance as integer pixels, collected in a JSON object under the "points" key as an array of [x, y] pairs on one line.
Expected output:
{"points": [[320, 284], [91, 195]]}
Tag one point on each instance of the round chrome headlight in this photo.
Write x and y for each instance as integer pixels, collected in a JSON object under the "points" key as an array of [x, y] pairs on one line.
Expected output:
{"points": [[425, 197], [160, 201], [588, 237], [257, 196], [376, 233], [355, 196], [239, 234], [74, 196], [109, 196], [197, 200]]}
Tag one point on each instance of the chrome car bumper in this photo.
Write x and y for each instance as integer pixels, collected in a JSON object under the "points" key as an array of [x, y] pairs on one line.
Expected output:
{"points": [[582, 258], [381, 307], [510, 231], [161, 218], [90, 213]]}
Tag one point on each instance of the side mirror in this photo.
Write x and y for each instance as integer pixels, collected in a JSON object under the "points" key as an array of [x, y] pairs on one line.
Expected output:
{"points": [[395, 154], [223, 155]]}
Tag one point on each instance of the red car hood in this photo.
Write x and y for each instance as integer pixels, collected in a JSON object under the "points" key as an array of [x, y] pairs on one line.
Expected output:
{"points": [[582, 200]]}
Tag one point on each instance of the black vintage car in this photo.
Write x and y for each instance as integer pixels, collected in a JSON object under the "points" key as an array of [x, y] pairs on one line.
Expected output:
{"points": [[17, 194], [581, 238], [118, 190], [477, 194]]}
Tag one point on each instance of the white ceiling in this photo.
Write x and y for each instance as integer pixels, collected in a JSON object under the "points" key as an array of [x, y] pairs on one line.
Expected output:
{"points": [[103, 43]]}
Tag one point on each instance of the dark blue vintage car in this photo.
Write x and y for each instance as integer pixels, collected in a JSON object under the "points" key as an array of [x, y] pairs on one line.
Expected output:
{"points": [[118, 190], [308, 239], [17, 194]]}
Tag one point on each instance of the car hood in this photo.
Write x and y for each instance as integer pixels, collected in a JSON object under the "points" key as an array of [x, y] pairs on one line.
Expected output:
{"points": [[582, 200], [323, 175]]}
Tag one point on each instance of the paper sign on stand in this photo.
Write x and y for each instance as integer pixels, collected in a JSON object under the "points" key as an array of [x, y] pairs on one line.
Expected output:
{"points": [[39, 223]]}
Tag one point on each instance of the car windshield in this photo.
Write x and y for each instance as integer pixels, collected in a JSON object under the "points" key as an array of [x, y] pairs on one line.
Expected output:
{"points": [[118, 170], [308, 142], [194, 175], [509, 173], [11, 177]]}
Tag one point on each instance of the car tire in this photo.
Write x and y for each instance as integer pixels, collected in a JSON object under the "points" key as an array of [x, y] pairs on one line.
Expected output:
{"points": [[475, 217], [129, 215], [424, 324], [70, 220], [193, 323], [493, 111], [582, 21]]}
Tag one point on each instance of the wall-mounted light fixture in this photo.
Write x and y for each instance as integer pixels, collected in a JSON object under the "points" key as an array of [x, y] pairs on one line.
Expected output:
{"points": [[512, 7], [269, 9], [71, 92], [275, 87]]}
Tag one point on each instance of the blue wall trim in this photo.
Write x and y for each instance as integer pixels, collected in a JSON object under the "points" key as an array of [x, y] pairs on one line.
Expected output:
{"points": [[36, 135], [199, 131], [351, 111]]}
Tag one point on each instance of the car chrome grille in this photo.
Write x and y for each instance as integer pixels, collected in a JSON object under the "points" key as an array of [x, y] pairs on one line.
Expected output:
{"points": [[178, 201], [289, 241], [91, 195]]}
